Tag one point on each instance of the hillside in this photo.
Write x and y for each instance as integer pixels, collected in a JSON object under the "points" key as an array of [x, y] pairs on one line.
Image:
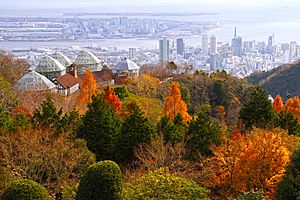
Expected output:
{"points": [[280, 80]]}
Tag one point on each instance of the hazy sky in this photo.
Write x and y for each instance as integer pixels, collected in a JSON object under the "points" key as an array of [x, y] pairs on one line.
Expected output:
{"points": [[112, 3]]}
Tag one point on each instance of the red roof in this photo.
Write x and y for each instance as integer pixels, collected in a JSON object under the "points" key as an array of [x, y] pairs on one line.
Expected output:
{"points": [[67, 81]]}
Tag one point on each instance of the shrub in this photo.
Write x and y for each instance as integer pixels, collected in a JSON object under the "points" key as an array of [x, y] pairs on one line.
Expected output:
{"points": [[102, 181], [251, 195], [160, 185], [25, 189]]}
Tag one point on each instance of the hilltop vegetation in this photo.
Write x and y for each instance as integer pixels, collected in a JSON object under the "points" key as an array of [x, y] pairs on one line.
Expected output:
{"points": [[158, 136], [279, 81]]}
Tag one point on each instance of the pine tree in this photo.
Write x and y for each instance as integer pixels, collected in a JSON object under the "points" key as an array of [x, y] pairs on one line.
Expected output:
{"points": [[136, 129], [202, 135], [258, 110], [100, 127], [87, 90], [174, 104]]}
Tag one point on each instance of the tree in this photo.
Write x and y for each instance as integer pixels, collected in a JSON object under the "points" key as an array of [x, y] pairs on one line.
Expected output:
{"points": [[88, 89], [136, 129], [287, 121], [164, 186], [113, 99], [100, 127], [201, 136], [25, 189], [102, 181], [293, 106], [278, 104], [258, 110], [174, 104], [289, 187], [242, 163], [40, 155]]}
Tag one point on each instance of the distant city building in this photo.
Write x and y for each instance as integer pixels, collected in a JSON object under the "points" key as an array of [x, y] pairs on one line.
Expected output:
{"points": [[180, 46], [132, 53], [236, 45], [293, 48], [285, 52], [205, 44], [270, 44], [213, 44], [215, 61], [164, 50]]}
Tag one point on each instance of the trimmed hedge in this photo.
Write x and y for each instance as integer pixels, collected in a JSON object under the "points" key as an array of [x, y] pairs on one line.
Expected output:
{"points": [[25, 190], [102, 181]]}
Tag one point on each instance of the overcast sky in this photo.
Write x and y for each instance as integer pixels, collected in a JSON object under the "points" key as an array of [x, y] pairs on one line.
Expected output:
{"points": [[111, 3]]}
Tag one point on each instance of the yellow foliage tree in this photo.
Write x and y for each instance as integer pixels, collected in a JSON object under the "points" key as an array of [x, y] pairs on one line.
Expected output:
{"points": [[257, 162], [278, 104], [293, 106], [87, 90], [174, 105]]}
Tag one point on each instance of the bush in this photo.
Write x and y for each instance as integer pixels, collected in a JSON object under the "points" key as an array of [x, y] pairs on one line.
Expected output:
{"points": [[25, 189], [102, 181], [251, 195], [164, 186]]}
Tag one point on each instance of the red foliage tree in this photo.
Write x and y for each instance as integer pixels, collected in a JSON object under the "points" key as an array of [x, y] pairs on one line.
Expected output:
{"points": [[113, 99]]}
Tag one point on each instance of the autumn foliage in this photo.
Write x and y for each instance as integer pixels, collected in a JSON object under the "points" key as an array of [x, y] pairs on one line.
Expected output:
{"points": [[243, 163], [278, 104], [174, 105], [113, 99], [88, 88], [293, 106]]}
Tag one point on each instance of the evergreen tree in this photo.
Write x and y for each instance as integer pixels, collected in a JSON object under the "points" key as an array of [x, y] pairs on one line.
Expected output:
{"points": [[136, 129], [47, 115], [100, 127], [258, 111], [289, 187], [172, 131], [287, 121], [201, 135]]}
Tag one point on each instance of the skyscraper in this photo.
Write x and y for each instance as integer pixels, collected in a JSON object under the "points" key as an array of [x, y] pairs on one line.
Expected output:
{"points": [[164, 50], [180, 46], [236, 45], [215, 61], [132, 53], [205, 44], [270, 44], [213, 44]]}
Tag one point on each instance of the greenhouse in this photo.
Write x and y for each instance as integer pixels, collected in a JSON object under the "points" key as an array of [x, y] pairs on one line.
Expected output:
{"points": [[63, 59], [50, 67], [126, 68], [86, 60], [34, 81]]}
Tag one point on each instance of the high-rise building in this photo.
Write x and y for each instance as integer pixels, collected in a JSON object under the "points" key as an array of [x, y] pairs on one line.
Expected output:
{"points": [[180, 46], [164, 50], [132, 54], [236, 45], [285, 52], [293, 48], [213, 44], [215, 61], [270, 44], [205, 44]]}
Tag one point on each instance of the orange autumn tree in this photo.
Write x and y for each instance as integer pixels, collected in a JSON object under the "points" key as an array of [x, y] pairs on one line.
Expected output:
{"points": [[243, 163], [113, 99], [293, 106], [278, 104], [87, 90], [174, 105]]}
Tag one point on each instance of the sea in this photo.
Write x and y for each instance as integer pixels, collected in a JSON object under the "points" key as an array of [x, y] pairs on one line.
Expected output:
{"points": [[253, 23]]}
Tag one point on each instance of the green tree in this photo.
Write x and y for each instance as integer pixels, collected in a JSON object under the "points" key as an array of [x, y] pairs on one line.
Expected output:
{"points": [[289, 187], [136, 129], [258, 111], [172, 131], [201, 135], [100, 127], [164, 186], [287, 121], [102, 181], [24, 190]]}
